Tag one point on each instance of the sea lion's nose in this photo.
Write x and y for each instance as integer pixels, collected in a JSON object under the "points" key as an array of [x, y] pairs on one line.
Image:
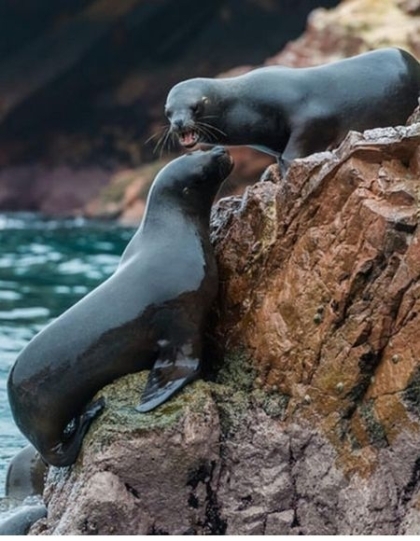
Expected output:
{"points": [[178, 123]]}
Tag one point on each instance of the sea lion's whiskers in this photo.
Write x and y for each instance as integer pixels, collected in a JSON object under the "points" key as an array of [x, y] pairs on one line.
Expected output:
{"points": [[157, 133], [210, 127], [161, 141], [153, 136], [171, 143], [204, 131], [156, 147], [168, 134]]}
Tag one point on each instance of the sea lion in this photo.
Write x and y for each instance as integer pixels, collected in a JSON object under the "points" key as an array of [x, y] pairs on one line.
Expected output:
{"points": [[22, 519], [149, 313], [25, 474], [293, 112]]}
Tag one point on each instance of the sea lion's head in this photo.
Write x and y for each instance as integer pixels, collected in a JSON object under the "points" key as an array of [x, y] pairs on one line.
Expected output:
{"points": [[192, 180], [192, 111]]}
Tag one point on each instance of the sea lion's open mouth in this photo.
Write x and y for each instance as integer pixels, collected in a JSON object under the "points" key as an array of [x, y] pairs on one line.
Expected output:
{"points": [[188, 138]]}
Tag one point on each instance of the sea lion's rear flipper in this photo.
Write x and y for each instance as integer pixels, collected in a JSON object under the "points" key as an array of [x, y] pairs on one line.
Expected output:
{"points": [[66, 451], [165, 379]]}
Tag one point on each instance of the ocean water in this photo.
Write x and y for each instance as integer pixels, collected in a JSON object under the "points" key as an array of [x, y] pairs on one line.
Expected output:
{"points": [[45, 267]]}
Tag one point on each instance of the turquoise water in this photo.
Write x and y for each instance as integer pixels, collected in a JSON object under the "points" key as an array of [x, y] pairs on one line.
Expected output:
{"points": [[45, 267]]}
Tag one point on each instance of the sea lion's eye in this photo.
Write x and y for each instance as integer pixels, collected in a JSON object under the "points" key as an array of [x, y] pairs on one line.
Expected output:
{"points": [[185, 191], [168, 113]]}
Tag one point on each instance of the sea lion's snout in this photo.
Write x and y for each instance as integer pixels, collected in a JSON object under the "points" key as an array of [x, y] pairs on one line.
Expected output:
{"points": [[187, 135], [224, 158]]}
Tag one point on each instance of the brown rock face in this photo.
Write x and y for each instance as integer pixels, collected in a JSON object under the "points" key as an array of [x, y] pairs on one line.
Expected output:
{"points": [[320, 275], [354, 27], [312, 423]]}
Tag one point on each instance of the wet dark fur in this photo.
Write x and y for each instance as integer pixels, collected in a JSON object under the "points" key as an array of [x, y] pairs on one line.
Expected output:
{"points": [[294, 112], [148, 315]]}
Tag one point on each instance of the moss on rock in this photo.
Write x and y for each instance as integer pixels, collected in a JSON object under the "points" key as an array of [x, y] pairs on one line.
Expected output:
{"points": [[237, 392], [121, 418]]}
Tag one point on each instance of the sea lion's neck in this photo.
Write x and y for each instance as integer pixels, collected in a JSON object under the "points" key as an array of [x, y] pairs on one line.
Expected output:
{"points": [[242, 116], [155, 226], [183, 218]]}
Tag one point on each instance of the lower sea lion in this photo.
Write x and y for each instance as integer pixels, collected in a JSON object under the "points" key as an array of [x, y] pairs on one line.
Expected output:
{"points": [[25, 474], [293, 112], [149, 314]]}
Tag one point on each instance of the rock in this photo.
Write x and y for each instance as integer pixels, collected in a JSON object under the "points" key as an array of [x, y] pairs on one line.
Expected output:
{"points": [[279, 523], [355, 26], [54, 191], [320, 276], [309, 424], [107, 493]]}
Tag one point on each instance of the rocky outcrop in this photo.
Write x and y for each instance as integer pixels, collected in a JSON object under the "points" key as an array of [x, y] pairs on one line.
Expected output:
{"points": [[310, 420], [354, 27], [330, 255]]}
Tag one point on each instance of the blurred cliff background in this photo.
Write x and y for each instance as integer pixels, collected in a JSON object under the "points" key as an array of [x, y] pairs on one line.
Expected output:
{"points": [[83, 84]]}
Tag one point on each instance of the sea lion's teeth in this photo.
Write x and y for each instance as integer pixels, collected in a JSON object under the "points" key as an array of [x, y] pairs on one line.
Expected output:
{"points": [[188, 138]]}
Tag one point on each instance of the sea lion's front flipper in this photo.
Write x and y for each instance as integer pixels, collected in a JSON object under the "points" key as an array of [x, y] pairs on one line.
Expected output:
{"points": [[283, 165], [166, 378]]}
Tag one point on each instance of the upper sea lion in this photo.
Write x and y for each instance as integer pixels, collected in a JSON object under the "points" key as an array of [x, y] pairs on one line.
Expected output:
{"points": [[149, 314], [293, 112]]}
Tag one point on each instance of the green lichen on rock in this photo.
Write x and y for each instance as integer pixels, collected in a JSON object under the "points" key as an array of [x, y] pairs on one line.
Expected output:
{"points": [[236, 394], [375, 430], [233, 392], [121, 418], [235, 381], [274, 404], [237, 371]]}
